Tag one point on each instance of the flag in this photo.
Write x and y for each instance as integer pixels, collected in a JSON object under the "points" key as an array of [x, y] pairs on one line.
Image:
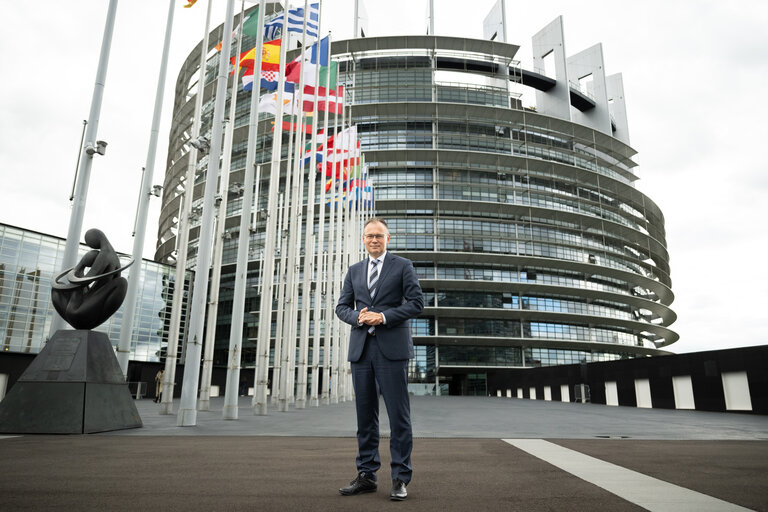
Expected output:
{"points": [[269, 81], [251, 24], [296, 20], [317, 56], [190, 3], [270, 57], [362, 193], [270, 66], [272, 25], [359, 192], [332, 101], [341, 157], [293, 126], [268, 103]]}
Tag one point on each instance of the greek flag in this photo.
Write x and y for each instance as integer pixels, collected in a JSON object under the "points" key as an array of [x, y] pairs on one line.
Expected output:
{"points": [[296, 20], [273, 28]]}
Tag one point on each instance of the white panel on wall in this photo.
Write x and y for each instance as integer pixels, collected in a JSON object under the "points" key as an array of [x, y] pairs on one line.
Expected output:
{"points": [[683, 388], [3, 384], [564, 394], [548, 393], [214, 391], [532, 393], [509, 393], [498, 392], [519, 392], [736, 389], [643, 393], [555, 102], [611, 394]]}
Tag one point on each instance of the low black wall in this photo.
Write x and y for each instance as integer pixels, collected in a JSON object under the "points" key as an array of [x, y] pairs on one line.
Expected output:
{"points": [[704, 368]]}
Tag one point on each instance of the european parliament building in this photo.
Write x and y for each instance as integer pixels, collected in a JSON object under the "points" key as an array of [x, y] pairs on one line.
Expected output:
{"points": [[533, 245]]}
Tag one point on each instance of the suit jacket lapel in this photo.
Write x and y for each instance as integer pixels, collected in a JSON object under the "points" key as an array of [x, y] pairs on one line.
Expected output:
{"points": [[366, 264]]}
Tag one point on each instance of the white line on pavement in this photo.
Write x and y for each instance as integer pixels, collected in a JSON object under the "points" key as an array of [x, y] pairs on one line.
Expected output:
{"points": [[648, 492]]}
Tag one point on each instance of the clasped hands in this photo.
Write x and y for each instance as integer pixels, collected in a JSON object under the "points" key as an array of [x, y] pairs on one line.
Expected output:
{"points": [[369, 317]]}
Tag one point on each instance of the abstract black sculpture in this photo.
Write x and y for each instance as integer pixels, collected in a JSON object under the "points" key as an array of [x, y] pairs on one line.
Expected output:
{"points": [[75, 384], [89, 298]]}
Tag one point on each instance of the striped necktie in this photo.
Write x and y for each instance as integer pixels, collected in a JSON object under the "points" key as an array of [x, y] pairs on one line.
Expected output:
{"points": [[373, 278]]}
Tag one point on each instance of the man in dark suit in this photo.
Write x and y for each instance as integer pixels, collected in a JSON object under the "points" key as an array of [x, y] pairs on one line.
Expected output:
{"points": [[380, 295]]}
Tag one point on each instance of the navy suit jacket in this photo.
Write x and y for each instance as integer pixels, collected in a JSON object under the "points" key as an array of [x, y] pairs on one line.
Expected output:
{"points": [[398, 295]]}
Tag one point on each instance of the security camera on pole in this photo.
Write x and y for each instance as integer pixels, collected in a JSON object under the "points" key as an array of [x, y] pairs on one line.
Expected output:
{"points": [[124, 346], [84, 170]]}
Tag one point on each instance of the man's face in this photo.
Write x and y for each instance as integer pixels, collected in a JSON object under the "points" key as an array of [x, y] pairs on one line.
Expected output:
{"points": [[375, 238]]}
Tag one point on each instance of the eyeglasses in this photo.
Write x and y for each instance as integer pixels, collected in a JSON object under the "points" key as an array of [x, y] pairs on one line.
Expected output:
{"points": [[377, 236]]}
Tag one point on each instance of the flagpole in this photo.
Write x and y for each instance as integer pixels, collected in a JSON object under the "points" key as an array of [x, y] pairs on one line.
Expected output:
{"points": [[292, 270], [350, 228], [286, 298], [234, 357], [182, 236], [140, 228], [277, 369], [204, 400], [332, 324], [309, 240], [281, 350], [339, 262], [290, 316], [321, 280], [350, 231], [187, 415], [265, 315], [84, 172]]}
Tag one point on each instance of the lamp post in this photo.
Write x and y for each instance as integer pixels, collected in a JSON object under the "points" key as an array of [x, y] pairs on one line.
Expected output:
{"points": [[140, 228], [86, 157]]}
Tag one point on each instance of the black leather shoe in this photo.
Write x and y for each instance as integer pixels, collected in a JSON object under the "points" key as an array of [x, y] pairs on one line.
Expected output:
{"points": [[398, 492], [359, 485]]}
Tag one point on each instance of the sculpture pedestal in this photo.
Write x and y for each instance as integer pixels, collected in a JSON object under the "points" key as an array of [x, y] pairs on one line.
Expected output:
{"points": [[74, 386]]}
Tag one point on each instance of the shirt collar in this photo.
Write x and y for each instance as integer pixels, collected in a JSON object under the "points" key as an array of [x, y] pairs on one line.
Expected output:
{"points": [[380, 259]]}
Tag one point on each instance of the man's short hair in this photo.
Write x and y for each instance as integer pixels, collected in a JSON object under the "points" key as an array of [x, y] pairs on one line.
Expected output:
{"points": [[376, 219]]}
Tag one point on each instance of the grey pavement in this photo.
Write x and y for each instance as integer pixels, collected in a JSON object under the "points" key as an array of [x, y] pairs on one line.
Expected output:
{"points": [[468, 417], [469, 454]]}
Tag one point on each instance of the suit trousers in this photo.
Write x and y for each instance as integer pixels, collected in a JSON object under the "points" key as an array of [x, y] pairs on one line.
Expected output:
{"points": [[371, 374]]}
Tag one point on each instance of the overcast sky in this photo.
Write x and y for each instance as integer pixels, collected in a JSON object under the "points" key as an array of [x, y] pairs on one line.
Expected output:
{"points": [[695, 75]]}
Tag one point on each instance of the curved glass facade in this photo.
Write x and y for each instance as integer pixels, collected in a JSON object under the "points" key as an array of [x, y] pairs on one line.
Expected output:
{"points": [[531, 241]]}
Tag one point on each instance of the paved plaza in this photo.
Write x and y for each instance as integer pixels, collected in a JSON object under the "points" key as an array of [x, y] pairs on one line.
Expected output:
{"points": [[470, 453]]}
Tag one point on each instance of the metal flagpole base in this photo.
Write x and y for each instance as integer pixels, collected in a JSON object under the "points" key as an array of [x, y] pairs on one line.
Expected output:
{"points": [[230, 412], [314, 402], [186, 418], [203, 405], [166, 408]]}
